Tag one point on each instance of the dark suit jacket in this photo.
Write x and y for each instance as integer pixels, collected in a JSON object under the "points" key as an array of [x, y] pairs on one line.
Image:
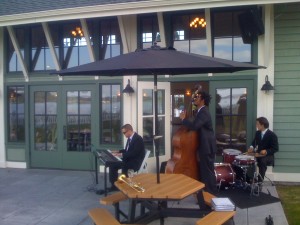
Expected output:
{"points": [[269, 142], [203, 125], [133, 158]]}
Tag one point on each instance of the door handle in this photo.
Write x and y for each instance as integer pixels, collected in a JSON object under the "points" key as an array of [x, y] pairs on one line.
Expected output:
{"points": [[65, 132]]}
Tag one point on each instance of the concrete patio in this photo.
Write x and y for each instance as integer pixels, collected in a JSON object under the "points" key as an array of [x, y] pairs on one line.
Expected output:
{"points": [[59, 197]]}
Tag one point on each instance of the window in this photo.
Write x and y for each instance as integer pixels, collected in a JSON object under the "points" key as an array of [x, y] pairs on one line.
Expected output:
{"points": [[231, 118], [227, 38], [41, 58], [150, 31], [69, 44], [16, 121], [189, 33], [74, 45], [45, 121], [110, 119], [14, 64], [110, 39], [79, 112]]}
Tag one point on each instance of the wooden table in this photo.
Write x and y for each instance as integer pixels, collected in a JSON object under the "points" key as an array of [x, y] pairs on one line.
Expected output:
{"points": [[172, 187]]}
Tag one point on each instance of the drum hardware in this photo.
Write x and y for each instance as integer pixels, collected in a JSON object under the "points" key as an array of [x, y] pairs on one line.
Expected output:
{"points": [[225, 176], [256, 186]]}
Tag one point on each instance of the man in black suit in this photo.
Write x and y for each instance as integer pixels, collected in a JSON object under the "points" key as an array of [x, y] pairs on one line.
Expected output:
{"points": [[265, 143], [132, 155], [207, 142]]}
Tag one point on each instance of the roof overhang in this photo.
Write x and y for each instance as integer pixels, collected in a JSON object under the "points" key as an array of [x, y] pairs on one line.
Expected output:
{"points": [[130, 8]]}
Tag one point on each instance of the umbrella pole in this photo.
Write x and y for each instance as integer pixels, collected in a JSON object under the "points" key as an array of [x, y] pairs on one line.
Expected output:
{"points": [[156, 138]]}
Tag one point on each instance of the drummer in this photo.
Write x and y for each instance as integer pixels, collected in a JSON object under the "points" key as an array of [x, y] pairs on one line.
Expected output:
{"points": [[265, 144]]}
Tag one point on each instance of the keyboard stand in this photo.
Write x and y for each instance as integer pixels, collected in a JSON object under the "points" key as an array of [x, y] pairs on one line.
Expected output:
{"points": [[96, 169], [106, 165]]}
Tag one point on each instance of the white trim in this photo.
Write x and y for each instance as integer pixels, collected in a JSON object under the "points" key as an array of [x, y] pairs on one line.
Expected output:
{"points": [[16, 45], [266, 58], [128, 8], [161, 29], [128, 30], [87, 39], [18, 165], [51, 46], [143, 85], [281, 177], [123, 34], [208, 32]]}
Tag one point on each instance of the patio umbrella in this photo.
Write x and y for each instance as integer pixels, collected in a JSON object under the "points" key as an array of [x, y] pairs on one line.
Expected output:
{"points": [[157, 61]]}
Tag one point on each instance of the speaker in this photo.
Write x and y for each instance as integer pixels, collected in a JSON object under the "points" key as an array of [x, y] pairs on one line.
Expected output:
{"points": [[251, 25]]}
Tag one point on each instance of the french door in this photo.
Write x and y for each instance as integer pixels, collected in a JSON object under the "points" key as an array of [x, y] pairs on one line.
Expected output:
{"points": [[233, 108], [146, 126], [61, 127]]}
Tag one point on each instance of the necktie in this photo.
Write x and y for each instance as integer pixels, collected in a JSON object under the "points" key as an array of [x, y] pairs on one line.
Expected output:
{"points": [[262, 135], [127, 144]]}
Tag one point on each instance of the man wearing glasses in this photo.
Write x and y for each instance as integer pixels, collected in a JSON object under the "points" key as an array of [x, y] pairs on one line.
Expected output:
{"points": [[207, 142], [132, 155]]}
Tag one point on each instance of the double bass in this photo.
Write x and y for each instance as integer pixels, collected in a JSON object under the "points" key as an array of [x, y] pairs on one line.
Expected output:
{"points": [[184, 159]]}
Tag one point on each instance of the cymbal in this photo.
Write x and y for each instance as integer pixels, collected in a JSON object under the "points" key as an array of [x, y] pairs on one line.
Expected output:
{"points": [[257, 155]]}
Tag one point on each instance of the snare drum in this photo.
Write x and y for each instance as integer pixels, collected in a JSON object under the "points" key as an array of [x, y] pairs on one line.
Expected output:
{"points": [[225, 175], [244, 167], [230, 154], [244, 160]]}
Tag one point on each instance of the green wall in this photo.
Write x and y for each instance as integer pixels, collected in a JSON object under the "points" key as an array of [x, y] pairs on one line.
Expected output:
{"points": [[287, 87]]}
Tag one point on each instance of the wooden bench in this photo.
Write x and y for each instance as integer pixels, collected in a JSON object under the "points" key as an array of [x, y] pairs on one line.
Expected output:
{"points": [[101, 216], [216, 218], [114, 199], [207, 197]]}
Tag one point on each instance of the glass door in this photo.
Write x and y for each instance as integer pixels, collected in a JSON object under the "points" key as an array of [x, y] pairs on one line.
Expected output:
{"points": [[232, 107], [146, 119], [61, 127]]}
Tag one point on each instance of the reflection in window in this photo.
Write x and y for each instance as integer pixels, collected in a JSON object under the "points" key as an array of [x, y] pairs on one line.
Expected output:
{"points": [[74, 45], [110, 118], [148, 102], [79, 120], [16, 121], [41, 58], [148, 119], [231, 117], [150, 31], [14, 65], [110, 39], [188, 34], [45, 121], [227, 38]]}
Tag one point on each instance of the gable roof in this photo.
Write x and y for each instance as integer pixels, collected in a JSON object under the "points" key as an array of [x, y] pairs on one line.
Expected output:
{"points": [[16, 12], [12, 7]]}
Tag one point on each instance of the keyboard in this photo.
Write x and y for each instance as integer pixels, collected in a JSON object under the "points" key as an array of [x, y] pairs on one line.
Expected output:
{"points": [[107, 157]]}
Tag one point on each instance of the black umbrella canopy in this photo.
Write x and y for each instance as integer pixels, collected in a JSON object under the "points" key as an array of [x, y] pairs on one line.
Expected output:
{"points": [[157, 61]]}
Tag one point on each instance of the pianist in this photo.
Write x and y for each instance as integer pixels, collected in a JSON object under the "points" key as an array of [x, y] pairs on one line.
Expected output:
{"points": [[132, 155]]}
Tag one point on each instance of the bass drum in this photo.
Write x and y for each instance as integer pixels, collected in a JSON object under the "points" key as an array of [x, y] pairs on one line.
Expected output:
{"points": [[225, 175]]}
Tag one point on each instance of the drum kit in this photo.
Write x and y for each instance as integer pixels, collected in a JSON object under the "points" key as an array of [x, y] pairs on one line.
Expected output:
{"points": [[238, 170]]}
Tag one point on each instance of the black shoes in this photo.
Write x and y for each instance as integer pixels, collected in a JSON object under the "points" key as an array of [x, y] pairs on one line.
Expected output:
{"points": [[269, 220]]}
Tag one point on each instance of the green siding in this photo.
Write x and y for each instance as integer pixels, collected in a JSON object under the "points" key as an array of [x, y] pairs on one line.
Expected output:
{"points": [[287, 91]]}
